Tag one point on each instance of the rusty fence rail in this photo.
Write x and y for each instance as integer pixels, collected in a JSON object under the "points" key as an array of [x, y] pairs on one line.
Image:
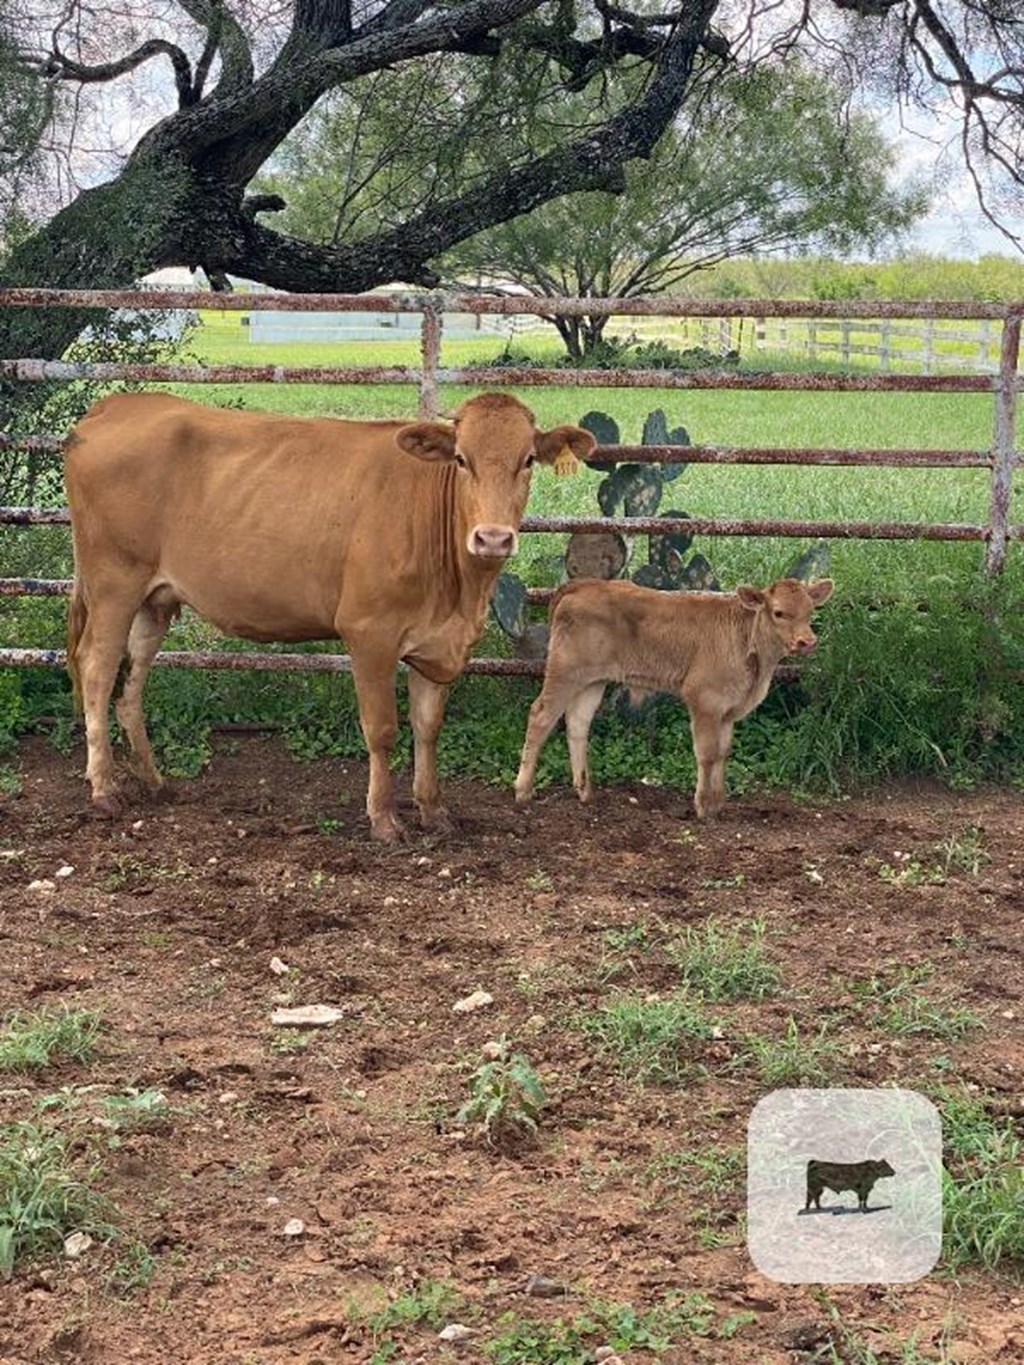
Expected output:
{"points": [[1000, 459]]}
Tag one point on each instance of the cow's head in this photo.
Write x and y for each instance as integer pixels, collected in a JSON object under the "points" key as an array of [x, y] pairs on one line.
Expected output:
{"points": [[493, 444], [882, 1168], [786, 610]]}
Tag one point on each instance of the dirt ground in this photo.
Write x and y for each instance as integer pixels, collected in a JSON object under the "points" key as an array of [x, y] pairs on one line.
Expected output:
{"points": [[168, 925]]}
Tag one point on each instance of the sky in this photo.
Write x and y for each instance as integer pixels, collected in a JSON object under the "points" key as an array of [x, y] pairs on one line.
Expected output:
{"points": [[930, 147]]}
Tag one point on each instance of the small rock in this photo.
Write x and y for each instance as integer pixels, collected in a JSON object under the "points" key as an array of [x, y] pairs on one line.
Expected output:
{"points": [[43, 886], [423, 861], [607, 1355], [493, 1050], [307, 1016], [137, 825], [77, 1244], [477, 1001], [272, 1201], [540, 1287], [455, 1331], [228, 1097], [294, 1227], [64, 871], [390, 901], [278, 967], [445, 872]]}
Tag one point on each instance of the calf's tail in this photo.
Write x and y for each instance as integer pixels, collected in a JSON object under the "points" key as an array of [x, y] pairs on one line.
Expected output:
{"points": [[78, 614]]}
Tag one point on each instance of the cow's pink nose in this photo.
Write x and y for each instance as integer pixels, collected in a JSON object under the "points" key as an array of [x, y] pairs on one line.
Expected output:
{"points": [[806, 646], [492, 542]]}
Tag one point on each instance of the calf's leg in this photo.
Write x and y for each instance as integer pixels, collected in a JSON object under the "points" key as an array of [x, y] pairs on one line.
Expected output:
{"points": [[545, 713], [578, 715], [374, 676], [712, 739], [144, 640], [426, 712]]}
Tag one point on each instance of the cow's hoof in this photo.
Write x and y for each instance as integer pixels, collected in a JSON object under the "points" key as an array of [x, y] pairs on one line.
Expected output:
{"points": [[387, 829], [107, 807], [586, 794], [436, 821], [523, 795]]}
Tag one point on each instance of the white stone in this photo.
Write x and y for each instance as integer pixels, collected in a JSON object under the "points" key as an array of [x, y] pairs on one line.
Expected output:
{"points": [[43, 886], [307, 1016], [294, 1227], [455, 1331], [477, 1001], [77, 1244], [278, 967], [64, 871]]}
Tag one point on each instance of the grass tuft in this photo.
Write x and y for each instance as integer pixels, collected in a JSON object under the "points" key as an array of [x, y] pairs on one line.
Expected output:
{"points": [[724, 963], [31, 1042]]}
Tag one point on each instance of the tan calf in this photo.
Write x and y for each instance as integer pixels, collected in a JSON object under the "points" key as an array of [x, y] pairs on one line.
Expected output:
{"points": [[716, 651]]}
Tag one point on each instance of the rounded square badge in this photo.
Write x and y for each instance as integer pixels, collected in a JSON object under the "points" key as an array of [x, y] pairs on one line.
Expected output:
{"points": [[844, 1186]]}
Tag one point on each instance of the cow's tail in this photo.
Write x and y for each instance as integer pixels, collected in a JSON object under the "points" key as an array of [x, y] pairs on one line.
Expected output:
{"points": [[78, 615]]}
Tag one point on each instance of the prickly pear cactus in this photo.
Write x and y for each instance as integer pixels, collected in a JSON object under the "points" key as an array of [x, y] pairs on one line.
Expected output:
{"points": [[656, 433], [812, 563]]}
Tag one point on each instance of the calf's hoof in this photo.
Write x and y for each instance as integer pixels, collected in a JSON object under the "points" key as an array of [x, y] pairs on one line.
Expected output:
{"points": [[523, 795], [585, 793]]}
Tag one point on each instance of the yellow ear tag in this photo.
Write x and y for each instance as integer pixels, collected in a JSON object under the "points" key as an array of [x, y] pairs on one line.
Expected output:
{"points": [[565, 462]]}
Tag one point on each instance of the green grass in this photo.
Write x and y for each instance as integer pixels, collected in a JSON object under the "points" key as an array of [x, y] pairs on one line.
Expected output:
{"points": [[983, 1186], [725, 963], [651, 1041], [620, 1326], [30, 1042], [898, 1005], [43, 1198], [794, 1059]]}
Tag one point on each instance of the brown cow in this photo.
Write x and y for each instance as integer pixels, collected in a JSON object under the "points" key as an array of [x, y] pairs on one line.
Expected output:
{"points": [[284, 528], [717, 651]]}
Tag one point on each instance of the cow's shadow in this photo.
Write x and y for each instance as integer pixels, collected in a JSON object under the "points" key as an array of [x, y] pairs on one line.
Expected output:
{"points": [[841, 1209]]}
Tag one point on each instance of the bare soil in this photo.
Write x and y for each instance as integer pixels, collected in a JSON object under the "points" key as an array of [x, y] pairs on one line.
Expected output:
{"points": [[169, 922]]}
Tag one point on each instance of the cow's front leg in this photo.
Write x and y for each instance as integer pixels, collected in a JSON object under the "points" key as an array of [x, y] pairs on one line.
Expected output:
{"points": [[712, 740], [426, 712], [374, 675]]}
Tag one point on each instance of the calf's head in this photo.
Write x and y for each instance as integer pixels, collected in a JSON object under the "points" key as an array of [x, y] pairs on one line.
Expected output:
{"points": [[493, 442], [786, 609]]}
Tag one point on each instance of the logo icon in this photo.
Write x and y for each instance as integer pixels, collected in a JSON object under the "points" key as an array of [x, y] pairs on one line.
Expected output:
{"points": [[814, 1158]]}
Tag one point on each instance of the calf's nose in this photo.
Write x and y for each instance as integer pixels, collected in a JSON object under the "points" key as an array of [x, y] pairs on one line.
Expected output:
{"points": [[492, 542], [805, 644]]}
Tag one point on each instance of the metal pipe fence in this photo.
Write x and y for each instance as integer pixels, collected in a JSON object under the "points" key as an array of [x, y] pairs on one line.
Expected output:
{"points": [[996, 533]]}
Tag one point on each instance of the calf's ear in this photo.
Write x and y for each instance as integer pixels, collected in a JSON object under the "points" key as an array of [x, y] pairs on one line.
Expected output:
{"points": [[427, 440], [550, 444], [752, 598], [821, 592]]}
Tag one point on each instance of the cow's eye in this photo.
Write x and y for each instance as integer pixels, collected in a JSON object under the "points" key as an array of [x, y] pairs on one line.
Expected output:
{"points": [[778, 614], [529, 460], [460, 460]]}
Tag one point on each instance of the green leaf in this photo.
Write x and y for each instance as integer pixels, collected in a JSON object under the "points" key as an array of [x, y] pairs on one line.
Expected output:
{"points": [[698, 576], [606, 430], [812, 563], [509, 604]]}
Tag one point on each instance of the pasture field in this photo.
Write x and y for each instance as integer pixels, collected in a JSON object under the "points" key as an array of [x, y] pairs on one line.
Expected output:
{"points": [[657, 977]]}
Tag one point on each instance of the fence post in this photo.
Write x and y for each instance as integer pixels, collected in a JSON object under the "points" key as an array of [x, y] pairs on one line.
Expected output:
{"points": [[1003, 449], [430, 347]]}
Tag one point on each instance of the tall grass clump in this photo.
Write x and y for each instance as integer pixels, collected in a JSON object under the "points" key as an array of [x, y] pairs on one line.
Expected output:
{"points": [[42, 1197], [982, 1187]]}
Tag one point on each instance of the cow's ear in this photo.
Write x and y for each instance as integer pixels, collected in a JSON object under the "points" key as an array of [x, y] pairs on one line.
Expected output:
{"points": [[427, 440], [752, 598], [550, 444], [821, 591]]}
